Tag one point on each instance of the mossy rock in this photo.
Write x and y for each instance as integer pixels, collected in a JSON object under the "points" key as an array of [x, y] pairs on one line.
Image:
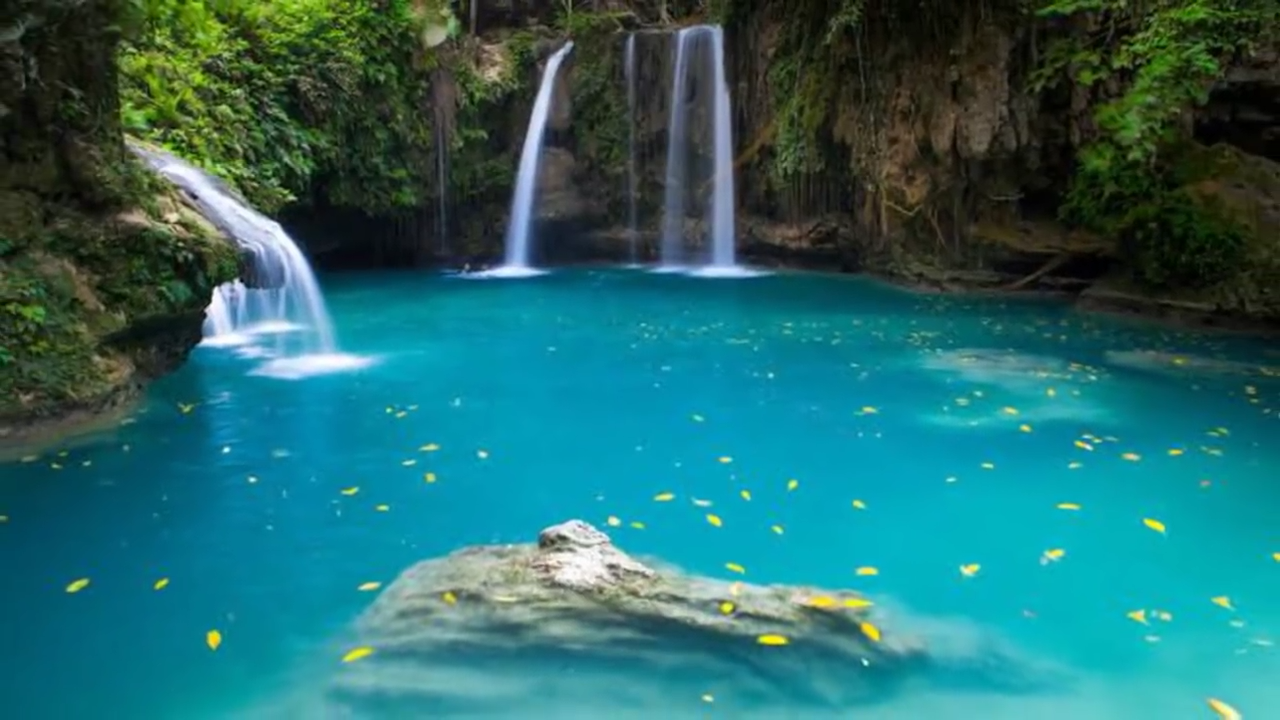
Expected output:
{"points": [[74, 291]]}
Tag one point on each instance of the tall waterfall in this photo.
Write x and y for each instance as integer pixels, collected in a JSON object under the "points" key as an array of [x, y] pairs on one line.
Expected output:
{"points": [[519, 229], [699, 57], [629, 63], [281, 300]]}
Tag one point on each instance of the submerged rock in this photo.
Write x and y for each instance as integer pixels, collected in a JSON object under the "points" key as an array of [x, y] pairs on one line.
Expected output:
{"points": [[573, 624]]}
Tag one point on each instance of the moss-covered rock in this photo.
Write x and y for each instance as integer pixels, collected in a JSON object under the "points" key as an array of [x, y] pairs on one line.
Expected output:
{"points": [[104, 274]]}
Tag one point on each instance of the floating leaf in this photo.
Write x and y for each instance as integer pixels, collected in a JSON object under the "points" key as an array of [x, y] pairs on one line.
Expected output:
{"points": [[213, 639], [161, 584], [429, 477], [1131, 456], [859, 505], [871, 631], [368, 586], [77, 585], [735, 567], [613, 521], [449, 598], [746, 495], [725, 459], [1068, 506], [792, 485], [867, 571], [664, 497], [1222, 601], [429, 447], [970, 570], [482, 454], [357, 654], [351, 490], [773, 640], [714, 520], [857, 603], [1224, 711], [382, 508], [1154, 525], [776, 528], [727, 608], [1138, 616]]}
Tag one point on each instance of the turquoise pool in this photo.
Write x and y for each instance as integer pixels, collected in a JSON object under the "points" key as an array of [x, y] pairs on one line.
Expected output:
{"points": [[925, 435]]}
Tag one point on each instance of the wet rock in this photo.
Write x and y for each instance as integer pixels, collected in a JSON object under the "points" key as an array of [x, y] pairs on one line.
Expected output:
{"points": [[573, 622]]}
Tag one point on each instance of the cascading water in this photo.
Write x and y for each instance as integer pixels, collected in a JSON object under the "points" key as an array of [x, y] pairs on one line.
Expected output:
{"points": [[699, 51], [282, 300], [629, 62], [516, 262]]}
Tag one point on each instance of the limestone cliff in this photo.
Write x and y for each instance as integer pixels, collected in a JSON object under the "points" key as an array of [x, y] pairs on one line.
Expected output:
{"points": [[104, 274]]}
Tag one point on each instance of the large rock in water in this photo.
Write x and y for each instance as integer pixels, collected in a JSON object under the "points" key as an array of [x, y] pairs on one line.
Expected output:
{"points": [[574, 627]]}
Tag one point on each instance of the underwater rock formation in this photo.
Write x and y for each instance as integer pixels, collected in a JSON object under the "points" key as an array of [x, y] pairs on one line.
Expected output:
{"points": [[574, 622]]}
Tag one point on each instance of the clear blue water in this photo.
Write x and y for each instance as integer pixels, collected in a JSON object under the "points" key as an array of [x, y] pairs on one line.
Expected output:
{"points": [[582, 387]]}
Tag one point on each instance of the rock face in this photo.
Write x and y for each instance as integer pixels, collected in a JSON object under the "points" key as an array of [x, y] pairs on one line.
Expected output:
{"points": [[103, 275], [575, 623]]}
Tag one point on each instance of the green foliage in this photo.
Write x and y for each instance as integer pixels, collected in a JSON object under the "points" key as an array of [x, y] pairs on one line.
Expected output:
{"points": [[46, 354], [285, 97], [1162, 55]]}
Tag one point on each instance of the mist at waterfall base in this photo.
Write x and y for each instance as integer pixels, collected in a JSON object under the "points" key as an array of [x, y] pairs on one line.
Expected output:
{"points": [[284, 322], [588, 393]]}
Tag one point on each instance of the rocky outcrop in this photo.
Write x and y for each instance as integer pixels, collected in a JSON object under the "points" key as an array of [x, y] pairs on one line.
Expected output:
{"points": [[574, 623], [104, 274]]}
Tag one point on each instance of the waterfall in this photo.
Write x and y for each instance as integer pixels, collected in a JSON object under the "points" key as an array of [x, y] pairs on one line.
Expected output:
{"points": [[516, 262], [280, 299], [674, 193], [442, 190], [629, 63], [699, 52]]}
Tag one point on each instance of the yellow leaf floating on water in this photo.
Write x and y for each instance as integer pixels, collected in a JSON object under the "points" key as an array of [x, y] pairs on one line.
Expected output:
{"points": [[970, 570], [727, 608], [1276, 556], [429, 447], [429, 477], [708, 698], [725, 459], [1225, 711], [369, 586], [1222, 601], [867, 571], [1009, 410], [871, 631], [792, 485], [1025, 428], [1154, 525], [868, 410], [714, 520], [1131, 456], [613, 521], [1074, 465], [857, 603], [859, 505], [1175, 452], [772, 640], [746, 495], [30, 458], [1084, 445], [1138, 616], [821, 601], [1068, 506], [409, 463], [701, 503], [77, 585], [637, 524], [449, 598], [988, 466], [161, 584], [664, 497], [213, 639], [351, 491], [735, 567], [186, 408], [357, 654], [382, 508], [1055, 554]]}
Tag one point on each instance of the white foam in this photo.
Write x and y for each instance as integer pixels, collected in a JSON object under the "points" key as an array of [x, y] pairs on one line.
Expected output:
{"points": [[305, 366], [272, 327], [726, 272], [506, 272], [226, 340], [669, 269]]}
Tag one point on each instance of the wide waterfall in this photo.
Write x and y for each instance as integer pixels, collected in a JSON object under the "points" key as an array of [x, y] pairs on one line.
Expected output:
{"points": [[699, 63], [279, 314], [519, 230]]}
